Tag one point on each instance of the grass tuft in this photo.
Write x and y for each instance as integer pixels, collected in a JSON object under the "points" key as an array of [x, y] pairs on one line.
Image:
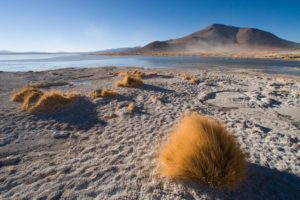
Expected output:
{"points": [[103, 93], [131, 107], [194, 81], [190, 78], [137, 74], [53, 100], [20, 95], [130, 81], [31, 99], [201, 149]]}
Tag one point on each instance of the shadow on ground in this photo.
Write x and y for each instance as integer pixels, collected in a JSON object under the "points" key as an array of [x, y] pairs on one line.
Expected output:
{"points": [[155, 88], [158, 76], [261, 183], [81, 114]]}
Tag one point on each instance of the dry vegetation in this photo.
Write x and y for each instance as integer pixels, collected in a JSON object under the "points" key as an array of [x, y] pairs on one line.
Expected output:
{"points": [[30, 99], [103, 93], [194, 81], [34, 100], [131, 107], [189, 78], [201, 149], [20, 95], [137, 74], [53, 100], [130, 81]]}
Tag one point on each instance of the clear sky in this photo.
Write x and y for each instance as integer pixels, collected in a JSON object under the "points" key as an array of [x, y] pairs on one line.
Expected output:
{"points": [[88, 25]]}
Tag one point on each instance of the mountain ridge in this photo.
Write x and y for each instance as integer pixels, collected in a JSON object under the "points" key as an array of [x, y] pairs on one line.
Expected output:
{"points": [[222, 37]]}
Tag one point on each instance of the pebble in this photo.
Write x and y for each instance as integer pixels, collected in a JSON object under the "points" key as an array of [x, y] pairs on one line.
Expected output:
{"points": [[60, 135]]}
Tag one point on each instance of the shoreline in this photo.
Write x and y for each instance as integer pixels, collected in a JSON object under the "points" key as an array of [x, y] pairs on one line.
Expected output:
{"points": [[106, 152], [263, 72], [295, 55]]}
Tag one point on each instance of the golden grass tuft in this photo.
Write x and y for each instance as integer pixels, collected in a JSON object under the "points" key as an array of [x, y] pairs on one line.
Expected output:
{"points": [[185, 76], [189, 78], [53, 100], [20, 95], [130, 81], [201, 149], [137, 74], [131, 107], [194, 81], [31, 99], [103, 93]]}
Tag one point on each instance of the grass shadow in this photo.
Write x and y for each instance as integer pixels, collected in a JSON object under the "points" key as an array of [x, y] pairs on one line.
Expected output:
{"points": [[155, 88], [261, 183], [158, 76], [81, 114]]}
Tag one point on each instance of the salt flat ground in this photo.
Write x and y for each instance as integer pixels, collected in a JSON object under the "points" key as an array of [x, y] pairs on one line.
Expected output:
{"points": [[82, 152]]}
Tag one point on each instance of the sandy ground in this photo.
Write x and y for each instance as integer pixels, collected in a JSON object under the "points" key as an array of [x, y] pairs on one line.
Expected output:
{"points": [[79, 153]]}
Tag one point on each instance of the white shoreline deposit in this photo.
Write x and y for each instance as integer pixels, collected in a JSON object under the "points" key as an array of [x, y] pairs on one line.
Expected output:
{"points": [[97, 149]]}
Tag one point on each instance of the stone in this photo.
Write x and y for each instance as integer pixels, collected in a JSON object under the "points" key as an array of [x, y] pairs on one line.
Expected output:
{"points": [[61, 135]]}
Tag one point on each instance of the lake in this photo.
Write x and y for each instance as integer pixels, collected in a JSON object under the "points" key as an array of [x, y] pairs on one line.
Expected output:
{"points": [[40, 62]]}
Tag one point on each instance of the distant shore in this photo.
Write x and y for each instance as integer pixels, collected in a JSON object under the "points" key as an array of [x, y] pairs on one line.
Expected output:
{"points": [[284, 55]]}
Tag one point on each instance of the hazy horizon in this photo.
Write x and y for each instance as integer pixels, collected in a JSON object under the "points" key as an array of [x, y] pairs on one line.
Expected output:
{"points": [[85, 26]]}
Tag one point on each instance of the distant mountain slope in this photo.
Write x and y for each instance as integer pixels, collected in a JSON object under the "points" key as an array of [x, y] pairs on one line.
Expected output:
{"points": [[222, 37], [117, 50]]}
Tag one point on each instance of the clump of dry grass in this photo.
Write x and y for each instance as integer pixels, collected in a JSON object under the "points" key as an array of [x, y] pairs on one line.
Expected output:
{"points": [[185, 76], [137, 74], [131, 107], [130, 81], [201, 149], [194, 81], [20, 95], [53, 100], [190, 78], [103, 93], [31, 99]]}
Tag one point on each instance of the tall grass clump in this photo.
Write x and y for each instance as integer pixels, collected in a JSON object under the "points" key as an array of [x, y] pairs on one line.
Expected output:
{"points": [[53, 100], [130, 81], [201, 149]]}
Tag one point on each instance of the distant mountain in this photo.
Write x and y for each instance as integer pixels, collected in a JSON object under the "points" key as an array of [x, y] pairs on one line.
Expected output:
{"points": [[218, 37], [117, 50], [4, 52]]}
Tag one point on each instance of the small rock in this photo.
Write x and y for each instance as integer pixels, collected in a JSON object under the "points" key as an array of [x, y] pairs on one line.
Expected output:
{"points": [[61, 135]]}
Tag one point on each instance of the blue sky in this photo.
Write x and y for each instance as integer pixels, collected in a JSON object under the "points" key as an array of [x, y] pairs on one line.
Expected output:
{"points": [[88, 25]]}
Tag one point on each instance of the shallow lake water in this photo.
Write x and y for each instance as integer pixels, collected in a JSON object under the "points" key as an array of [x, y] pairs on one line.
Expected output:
{"points": [[41, 62]]}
